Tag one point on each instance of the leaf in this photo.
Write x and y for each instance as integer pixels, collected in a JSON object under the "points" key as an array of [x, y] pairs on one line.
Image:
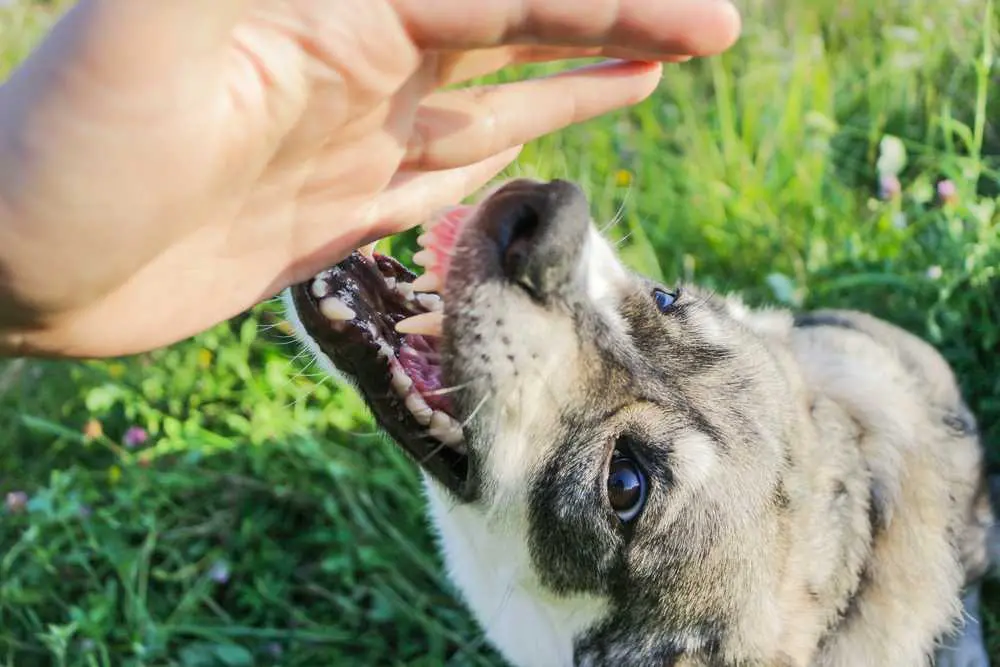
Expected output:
{"points": [[204, 654], [248, 331], [41, 425], [233, 655], [103, 398], [198, 655], [784, 289]]}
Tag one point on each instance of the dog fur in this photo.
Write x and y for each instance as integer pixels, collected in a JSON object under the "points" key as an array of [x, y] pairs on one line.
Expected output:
{"points": [[816, 489]]}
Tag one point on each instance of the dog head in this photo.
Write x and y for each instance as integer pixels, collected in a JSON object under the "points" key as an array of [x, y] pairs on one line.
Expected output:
{"points": [[604, 454]]}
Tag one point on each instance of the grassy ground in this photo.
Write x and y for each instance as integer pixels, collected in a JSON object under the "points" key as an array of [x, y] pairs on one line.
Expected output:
{"points": [[262, 522]]}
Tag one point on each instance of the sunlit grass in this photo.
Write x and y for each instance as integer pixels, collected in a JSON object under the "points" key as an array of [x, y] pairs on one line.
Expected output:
{"points": [[264, 522]]}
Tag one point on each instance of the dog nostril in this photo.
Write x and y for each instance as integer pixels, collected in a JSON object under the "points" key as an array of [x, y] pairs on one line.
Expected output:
{"points": [[537, 231], [515, 229], [517, 234]]}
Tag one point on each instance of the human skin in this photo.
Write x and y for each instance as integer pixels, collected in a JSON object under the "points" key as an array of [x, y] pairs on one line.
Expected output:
{"points": [[166, 165]]}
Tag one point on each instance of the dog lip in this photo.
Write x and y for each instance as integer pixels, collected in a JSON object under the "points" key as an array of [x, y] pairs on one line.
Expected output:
{"points": [[356, 346]]}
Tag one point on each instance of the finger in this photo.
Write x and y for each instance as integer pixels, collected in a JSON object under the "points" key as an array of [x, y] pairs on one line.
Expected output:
{"points": [[413, 196], [459, 67], [692, 27], [410, 199], [459, 127]]}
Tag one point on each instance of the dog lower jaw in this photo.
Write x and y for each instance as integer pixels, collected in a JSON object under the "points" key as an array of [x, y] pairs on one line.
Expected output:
{"points": [[348, 317]]}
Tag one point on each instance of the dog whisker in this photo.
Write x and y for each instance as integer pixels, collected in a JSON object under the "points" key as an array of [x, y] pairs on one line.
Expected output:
{"points": [[619, 214], [622, 240], [444, 391], [475, 411]]}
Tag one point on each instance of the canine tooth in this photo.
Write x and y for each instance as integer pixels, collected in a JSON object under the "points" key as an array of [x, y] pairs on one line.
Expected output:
{"points": [[424, 240], [419, 408], [424, 258], [427, 324], [368, 250], [320, 288], [335, 309], [428, 282], [401, 382], [431, 302]]}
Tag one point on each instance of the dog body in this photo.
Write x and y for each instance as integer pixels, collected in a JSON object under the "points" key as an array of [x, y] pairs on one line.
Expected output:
{"points": [[656, 475], [876, 520]]}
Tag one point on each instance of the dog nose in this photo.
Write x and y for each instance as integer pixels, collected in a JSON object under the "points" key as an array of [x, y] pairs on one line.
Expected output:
{"points": [[539, 229]]}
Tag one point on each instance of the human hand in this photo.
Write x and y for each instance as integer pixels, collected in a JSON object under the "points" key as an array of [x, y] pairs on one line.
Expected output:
{"points": [[167, 165]]}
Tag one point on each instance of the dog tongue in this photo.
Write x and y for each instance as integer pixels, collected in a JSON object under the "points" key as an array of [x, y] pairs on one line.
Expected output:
{"points": [[421, 362]]}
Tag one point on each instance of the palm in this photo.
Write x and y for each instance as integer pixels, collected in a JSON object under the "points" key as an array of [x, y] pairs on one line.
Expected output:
{"points": [[246, 154]]}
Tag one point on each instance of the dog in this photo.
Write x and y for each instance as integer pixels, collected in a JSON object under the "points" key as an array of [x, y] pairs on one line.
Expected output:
{"points": [[622, 472]]}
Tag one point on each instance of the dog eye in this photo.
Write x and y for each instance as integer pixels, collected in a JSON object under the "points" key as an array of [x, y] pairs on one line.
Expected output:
{"points": [[626, 488], [664, 300]]}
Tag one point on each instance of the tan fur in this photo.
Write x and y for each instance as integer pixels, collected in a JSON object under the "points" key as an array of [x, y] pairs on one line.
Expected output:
{"points": [[871, 397]]}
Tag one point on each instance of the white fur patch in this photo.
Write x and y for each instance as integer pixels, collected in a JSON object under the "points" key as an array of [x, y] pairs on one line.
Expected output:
{"points": [[526, 405], [695, 458], [488, 560], [602, 271], [604, 278]]}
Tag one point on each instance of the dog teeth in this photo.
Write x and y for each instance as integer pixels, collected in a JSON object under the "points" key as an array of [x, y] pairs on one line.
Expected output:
{"points": [[401, 382], [425, 324], [406, 290], [334, 309], [424, 258], [320, 288], [436, 217], [419, 408], [424, 240], [439, 422], [368, 250], [440, 425], [431, 302], [428, 282], [445, 429]]}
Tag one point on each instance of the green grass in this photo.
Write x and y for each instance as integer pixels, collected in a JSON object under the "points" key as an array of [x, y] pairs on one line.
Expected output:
{"points": [[264, 522]]}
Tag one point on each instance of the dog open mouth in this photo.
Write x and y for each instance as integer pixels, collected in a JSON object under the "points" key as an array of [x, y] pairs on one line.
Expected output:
{"points": [[381, 324]]}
